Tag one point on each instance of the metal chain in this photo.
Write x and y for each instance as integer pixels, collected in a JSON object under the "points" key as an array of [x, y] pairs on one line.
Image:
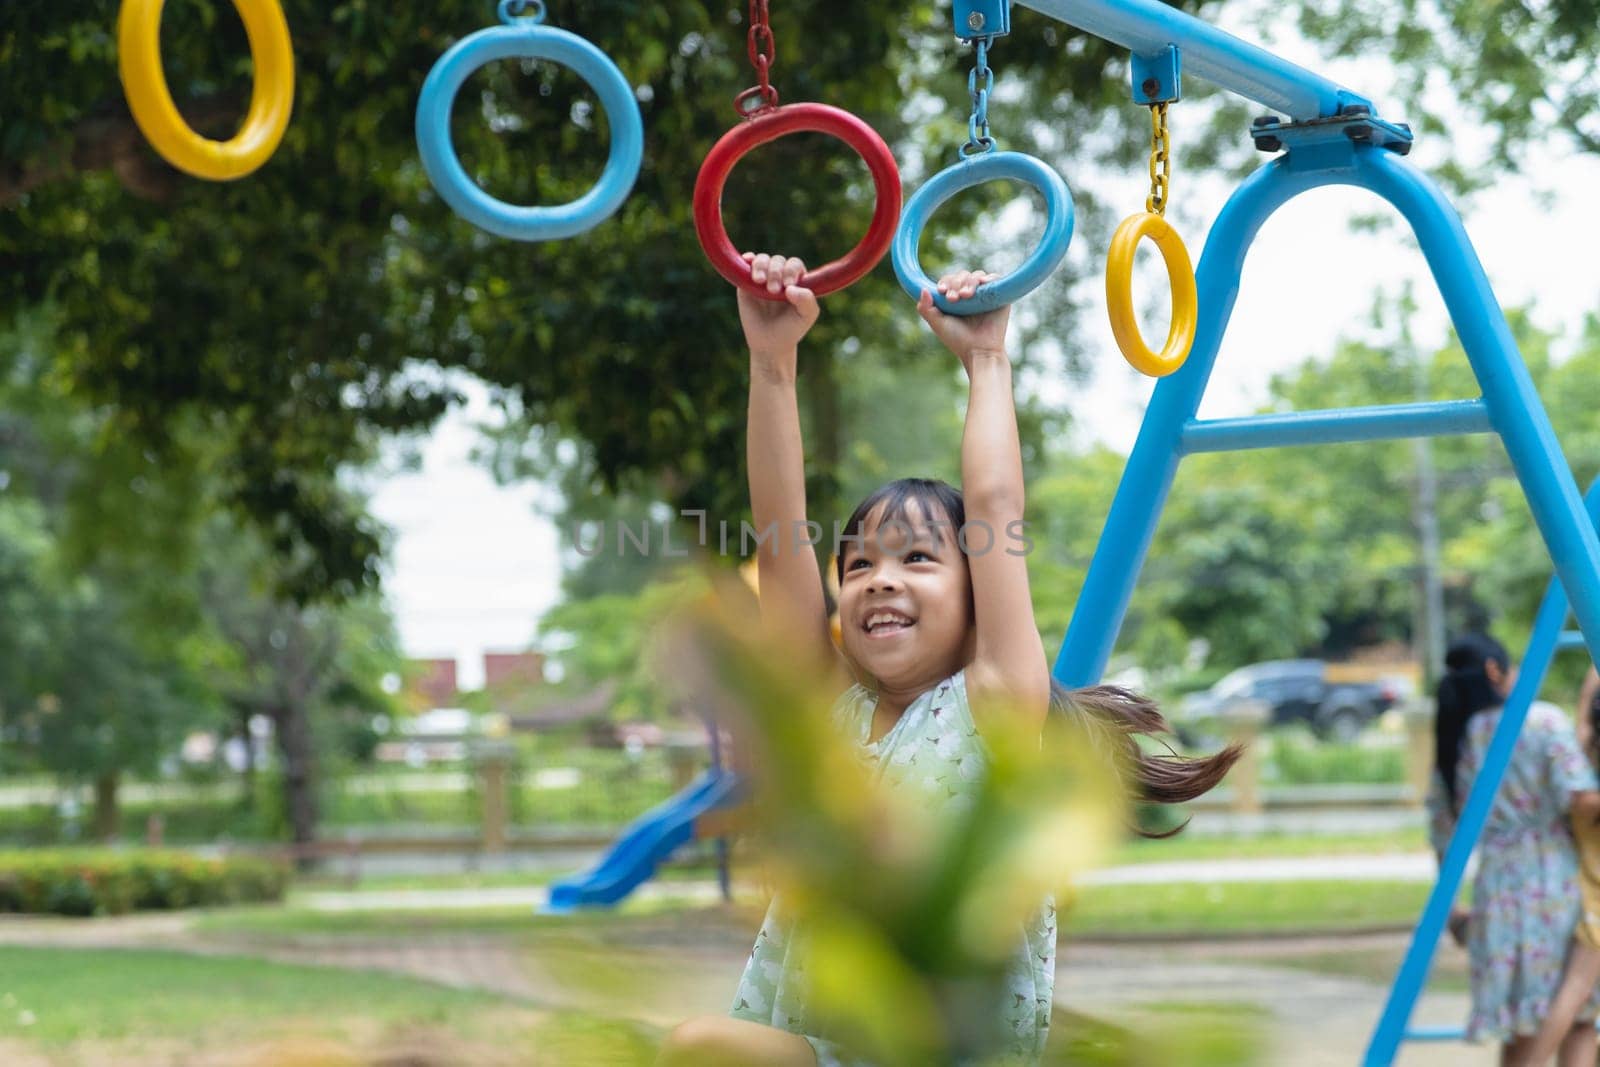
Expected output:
{"points": [[512, 11], [1160, 161], [763, 51], [979, 81]]}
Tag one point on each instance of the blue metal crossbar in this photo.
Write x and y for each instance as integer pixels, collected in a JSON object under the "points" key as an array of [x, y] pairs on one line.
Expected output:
{"points": [[1145, 27], [1340, 426], [1436, 1033]]}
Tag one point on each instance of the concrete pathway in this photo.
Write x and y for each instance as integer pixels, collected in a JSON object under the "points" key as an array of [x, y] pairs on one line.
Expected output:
{"points": [[1317, 1019]]}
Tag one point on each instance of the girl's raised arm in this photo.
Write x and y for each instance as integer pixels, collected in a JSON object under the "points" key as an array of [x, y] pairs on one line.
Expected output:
{"points": [[1009, 671], [792, 605]]}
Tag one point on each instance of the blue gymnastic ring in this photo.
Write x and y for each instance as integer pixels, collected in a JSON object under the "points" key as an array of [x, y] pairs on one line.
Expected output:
{"points": [[525, 39], [975, 170]]}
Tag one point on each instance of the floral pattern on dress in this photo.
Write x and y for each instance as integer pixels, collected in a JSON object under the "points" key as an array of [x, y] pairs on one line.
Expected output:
{"points": [[1525, 902], [934, 748]]}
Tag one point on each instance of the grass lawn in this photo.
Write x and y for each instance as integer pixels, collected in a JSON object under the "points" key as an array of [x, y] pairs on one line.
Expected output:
{"points": [[1243, 907], [1233, 908], [1171, 850], [655, 914], [1165, 1033], [1266, 846], [138, 1006]]}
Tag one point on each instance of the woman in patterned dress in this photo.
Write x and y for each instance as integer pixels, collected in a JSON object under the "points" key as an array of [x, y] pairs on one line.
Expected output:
{"points": [[938, 625], [1525, 903]]}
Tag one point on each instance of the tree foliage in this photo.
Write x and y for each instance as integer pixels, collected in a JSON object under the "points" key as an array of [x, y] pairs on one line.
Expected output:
{"points": [[295, 313], [1520, 71]]}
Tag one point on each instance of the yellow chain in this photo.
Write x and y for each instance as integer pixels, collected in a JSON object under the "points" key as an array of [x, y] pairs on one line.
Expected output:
{"points": [[1160, 161]]}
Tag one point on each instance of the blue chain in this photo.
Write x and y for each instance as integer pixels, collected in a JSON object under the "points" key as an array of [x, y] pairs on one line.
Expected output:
{"points": [[511, 11], [979, 81]]}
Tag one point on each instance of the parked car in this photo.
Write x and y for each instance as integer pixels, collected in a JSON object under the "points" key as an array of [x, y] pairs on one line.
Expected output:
{"points": [[1296, 690]]}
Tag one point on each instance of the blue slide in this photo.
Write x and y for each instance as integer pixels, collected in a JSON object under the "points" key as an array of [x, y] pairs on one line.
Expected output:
{"points": [[645, 844]]}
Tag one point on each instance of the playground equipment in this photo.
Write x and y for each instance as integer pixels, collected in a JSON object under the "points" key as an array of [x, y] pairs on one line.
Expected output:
{"points": [[1326, 135], [1320, 134], [980, 163], [647, 843], [703, 811], [145, 83], [764, 119], [1158, 79], [526, 37]]}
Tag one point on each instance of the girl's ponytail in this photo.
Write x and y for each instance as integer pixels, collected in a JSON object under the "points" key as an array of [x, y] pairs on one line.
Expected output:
{"points": [[1112, 717], [1449, 724], [1463, 691], [1593, 711]]}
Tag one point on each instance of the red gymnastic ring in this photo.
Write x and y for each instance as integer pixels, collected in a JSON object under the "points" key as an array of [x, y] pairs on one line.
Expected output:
{"points": [[768, 125]]}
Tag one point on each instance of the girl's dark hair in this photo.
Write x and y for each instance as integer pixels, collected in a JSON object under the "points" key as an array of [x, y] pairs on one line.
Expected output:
{"points": [[1113, 717], [1110, 715], [1593, 711], [931, 494], [1464, 691]]}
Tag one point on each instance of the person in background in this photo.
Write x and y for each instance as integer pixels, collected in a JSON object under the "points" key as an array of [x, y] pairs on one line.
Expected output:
{"points": [[1525, 906]]}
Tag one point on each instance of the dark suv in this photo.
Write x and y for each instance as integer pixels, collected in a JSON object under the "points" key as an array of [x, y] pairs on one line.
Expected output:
{"points": [[1297, 690]]}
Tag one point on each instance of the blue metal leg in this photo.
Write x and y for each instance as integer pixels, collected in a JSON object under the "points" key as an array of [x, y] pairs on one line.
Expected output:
{"points": [[1514, 406], [1513, 410], [1546, 638], [1142, 494]]}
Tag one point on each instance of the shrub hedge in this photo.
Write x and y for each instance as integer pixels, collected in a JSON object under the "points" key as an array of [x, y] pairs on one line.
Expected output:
{"points": [[108, 882]]}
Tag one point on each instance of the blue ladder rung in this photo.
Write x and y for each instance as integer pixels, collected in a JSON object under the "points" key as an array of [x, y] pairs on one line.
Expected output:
{"points": [[1336, 426], [1570, 639], [1437, 1033]]}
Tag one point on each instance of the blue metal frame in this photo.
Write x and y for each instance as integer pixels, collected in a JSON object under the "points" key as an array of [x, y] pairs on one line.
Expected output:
{"points": [[1156, 78], [1334, 137], [1547, 638], [1510, 405], [981, 18], [1145, 27]]}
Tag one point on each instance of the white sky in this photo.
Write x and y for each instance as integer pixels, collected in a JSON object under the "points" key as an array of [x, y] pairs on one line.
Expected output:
{"points": [[473, 566]]}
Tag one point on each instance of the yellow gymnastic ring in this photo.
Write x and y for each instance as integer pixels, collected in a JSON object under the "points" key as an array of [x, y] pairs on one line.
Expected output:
{"points": [[1119, 294], [271, 99]]}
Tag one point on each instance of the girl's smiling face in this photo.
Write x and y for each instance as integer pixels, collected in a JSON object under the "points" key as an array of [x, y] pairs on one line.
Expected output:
{"points": [[905, 601]]}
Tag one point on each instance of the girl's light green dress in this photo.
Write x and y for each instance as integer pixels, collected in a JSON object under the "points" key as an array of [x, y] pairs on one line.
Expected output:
{"points": [[935, 750]]}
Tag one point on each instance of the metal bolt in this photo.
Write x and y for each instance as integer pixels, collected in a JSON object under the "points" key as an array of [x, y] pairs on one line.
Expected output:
{"points": [[1150, 86], [975, 21]]}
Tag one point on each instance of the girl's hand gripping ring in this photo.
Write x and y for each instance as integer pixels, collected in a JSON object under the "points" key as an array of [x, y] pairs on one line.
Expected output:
{"points": [[768, 124], [971, 171]]}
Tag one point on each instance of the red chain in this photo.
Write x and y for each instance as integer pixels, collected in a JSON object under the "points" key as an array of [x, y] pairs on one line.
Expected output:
{"points": [[763, 52]]}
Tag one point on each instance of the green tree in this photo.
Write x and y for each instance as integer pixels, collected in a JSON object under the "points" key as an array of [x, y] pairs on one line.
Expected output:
{"points": [[30, 604], [308, 668], [100, 679], [300, 311], [1523, 71]]}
